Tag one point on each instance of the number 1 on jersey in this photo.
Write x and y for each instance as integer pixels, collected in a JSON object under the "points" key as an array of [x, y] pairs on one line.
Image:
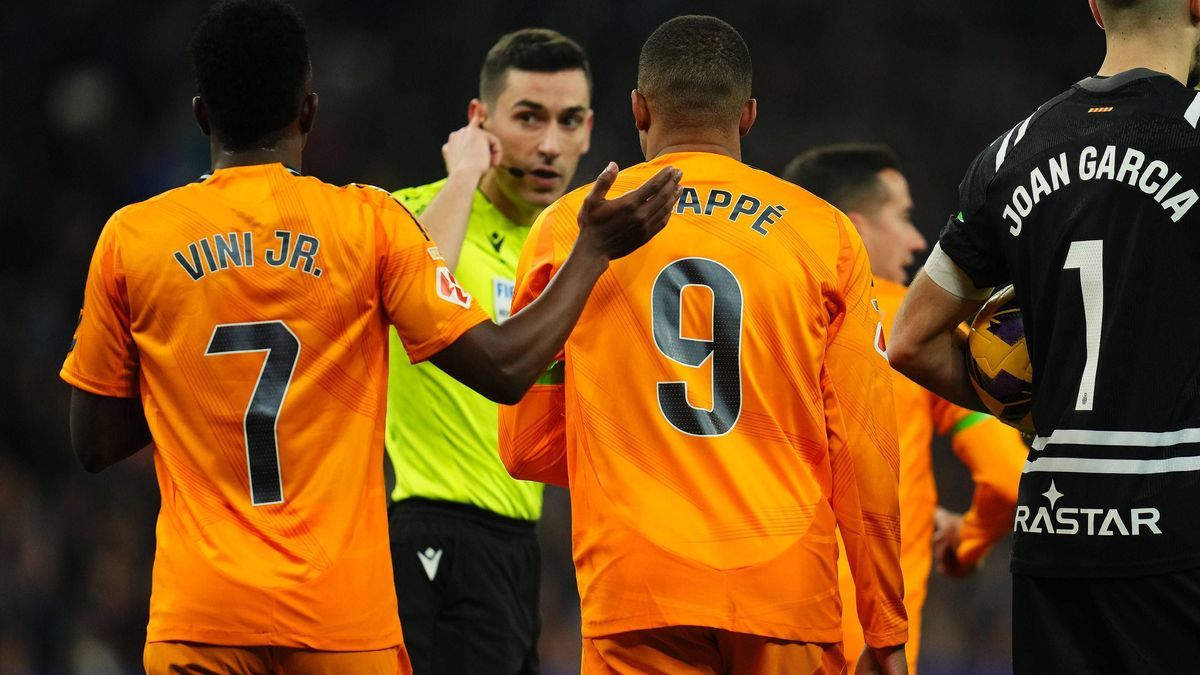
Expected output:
{"points": [[262, 413], [1088, 258]]}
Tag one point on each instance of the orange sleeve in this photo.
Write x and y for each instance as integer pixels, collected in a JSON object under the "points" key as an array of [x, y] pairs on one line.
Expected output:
{"points": [[864, 456], [995, 455], [420, 295], [103, 359], [533, 433], [533, 438]]}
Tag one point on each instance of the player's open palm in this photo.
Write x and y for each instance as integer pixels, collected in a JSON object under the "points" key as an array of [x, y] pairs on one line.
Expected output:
{"points": [[613, 228]]}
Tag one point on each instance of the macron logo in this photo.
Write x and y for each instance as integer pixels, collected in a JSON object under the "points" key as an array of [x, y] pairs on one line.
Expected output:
{"points": [[429, 560]]}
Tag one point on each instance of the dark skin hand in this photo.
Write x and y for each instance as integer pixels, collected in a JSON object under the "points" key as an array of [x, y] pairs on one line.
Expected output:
{"points": [[882, 661], [947, 534]]}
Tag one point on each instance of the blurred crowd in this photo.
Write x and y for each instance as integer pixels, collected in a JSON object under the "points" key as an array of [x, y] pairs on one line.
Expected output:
{"points": [[95, 114]]}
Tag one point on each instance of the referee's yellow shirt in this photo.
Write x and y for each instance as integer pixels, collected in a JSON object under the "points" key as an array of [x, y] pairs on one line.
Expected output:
{"points": [[442, 436]]}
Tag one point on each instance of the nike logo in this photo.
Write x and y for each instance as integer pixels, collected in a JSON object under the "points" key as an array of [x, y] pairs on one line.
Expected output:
{"points": [[429, 560], [497, 240]]}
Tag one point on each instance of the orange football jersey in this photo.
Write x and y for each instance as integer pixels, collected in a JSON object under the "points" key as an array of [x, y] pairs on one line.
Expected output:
{"points": [[995, 455], [726, 407], [249, 312]]}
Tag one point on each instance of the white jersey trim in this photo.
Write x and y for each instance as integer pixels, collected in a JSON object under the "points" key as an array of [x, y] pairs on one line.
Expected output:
{"points": [[1138, 439], [1118, 466]]}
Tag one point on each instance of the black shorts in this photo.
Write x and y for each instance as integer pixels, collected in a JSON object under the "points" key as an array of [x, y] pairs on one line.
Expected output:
{"points": [[467, 584], [1141, 625]]}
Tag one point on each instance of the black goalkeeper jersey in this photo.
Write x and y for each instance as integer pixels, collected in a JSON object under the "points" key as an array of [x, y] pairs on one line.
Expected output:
{"points": [[1089, 207]]}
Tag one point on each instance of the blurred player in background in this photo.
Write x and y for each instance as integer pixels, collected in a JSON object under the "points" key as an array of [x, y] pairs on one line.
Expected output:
{"points": [[240, 324], [866, 184], [464, 549], [727, 403], [1088, 207]]}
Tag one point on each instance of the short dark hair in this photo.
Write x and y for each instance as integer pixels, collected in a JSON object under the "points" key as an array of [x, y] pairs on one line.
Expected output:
{"points": [[250, 59], [538, 50], [696, 71], [845, 175]]}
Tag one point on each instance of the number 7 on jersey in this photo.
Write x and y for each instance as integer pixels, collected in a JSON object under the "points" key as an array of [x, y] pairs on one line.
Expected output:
{"points": [[262, 413]]}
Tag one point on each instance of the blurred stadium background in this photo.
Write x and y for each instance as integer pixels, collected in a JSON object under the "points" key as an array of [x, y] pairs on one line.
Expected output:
{"points": [[94, 114]]}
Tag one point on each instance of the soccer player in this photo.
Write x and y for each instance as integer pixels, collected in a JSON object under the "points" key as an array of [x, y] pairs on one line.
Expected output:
{"points": [[727, 404], [865, 183], [464, 549], [240, 325], [1088, 207]]}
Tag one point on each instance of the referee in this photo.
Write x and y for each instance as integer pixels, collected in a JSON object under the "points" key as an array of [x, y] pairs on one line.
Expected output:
{"points": [[464, 550]]}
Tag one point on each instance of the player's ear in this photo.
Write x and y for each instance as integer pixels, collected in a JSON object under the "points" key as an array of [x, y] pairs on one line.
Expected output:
{"points": [[641, 110], [308, 113], [1195, 7], [1100, 22], [588, 120], [749, 114], [859, 220], [200, 112], [477, 109]]}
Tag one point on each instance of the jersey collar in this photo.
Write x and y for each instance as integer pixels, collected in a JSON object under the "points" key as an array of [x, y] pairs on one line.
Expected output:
{"points": [[1102, 85], [205, 176]]}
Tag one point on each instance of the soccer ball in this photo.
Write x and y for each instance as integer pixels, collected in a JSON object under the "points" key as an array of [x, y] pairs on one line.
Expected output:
{"points": [[998, 361]]}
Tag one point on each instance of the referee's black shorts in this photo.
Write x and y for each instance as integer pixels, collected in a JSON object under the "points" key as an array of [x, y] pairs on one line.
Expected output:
{"points": [[467, 583], [1143, 625]]}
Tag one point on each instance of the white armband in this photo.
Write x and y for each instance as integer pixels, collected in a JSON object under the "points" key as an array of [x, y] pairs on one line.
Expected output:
{"points": [[950, 277]]}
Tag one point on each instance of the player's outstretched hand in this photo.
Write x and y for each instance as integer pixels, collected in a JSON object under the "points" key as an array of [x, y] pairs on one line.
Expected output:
{"points": [[613, 228], [882, 661]]}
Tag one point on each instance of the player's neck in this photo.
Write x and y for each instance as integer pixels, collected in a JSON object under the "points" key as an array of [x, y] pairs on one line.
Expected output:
{"points": [[285, 151], [1169, 52], [715, 142], [521, 214]]}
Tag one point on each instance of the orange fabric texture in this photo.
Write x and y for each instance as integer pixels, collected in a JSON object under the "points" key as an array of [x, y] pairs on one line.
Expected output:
{"points": [[725, 409], [688, 650], [249, 312], [168, 658], [995, 455], [536, 428]]}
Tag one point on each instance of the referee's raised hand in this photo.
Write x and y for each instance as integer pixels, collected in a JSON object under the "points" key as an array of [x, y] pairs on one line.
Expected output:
{"points": [[613, 228], [471, 150]]}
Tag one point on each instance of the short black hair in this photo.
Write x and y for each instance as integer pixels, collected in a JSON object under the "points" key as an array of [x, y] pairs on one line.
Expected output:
{"points": [[538, 50], [845, 175], [250, 59], [696, 71]]}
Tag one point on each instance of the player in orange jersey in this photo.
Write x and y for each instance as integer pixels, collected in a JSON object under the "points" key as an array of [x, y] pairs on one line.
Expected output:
{"points": [[240, 325], [727, 405], [865, 183]]}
